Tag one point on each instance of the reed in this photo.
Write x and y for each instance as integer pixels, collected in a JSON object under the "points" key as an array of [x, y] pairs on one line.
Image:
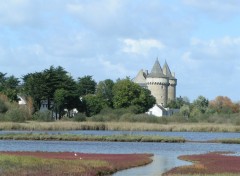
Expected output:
{"points": [[70, 137], [125, 126]]}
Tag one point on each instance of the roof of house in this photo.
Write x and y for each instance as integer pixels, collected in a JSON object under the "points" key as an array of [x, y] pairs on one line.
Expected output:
{"points": [[162, 108], [156, 71]]}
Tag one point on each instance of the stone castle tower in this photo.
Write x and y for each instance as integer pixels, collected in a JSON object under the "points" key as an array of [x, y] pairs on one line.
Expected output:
{"points": [[160, 81]]}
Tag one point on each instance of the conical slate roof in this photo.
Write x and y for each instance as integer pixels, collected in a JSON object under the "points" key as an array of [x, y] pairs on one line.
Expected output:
{"points": [[156, 71], [140, 78], [166, 71]]}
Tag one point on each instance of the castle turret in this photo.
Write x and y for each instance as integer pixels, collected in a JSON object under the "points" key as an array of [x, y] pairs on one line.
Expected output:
{"points": [[172, 82], [140, 79], [158, 84]]}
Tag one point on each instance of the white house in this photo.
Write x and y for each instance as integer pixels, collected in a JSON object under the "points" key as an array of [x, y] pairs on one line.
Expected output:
{"points": [[22, 100], [159, 111]]}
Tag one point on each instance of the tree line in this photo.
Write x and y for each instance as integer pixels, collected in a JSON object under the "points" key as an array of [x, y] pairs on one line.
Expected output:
{"points": [[62, 93], [202, 109]]}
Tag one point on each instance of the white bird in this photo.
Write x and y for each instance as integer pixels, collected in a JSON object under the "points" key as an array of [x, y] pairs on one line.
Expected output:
{"points": [[75, 154]]}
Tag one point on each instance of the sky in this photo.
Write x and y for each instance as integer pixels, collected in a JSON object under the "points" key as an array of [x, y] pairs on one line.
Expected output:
{"points": [[111, 39]]}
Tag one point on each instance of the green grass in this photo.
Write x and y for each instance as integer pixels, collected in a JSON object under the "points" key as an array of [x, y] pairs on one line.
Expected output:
{"points": [[70, 137], [125, 126]]}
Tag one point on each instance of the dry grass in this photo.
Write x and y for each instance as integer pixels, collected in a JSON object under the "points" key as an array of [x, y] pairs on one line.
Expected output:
{"points": [[126, 126]]}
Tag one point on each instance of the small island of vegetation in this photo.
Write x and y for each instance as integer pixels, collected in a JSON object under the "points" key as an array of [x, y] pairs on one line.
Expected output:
{"points": [[71, 137], [210, 164]]}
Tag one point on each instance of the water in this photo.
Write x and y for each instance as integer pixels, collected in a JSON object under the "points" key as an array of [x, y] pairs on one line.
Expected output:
{"points": [[165, 154]]}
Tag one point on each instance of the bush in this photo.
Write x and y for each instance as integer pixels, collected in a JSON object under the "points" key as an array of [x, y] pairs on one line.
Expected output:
{"points": [[177, 118], [126, 115], [108, 114], [79, 117], [16, 114], [44, 116], [3, 106]]}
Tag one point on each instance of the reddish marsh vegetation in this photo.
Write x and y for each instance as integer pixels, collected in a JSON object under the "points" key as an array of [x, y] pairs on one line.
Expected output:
{"points": [[67, 163], [210, 163]]}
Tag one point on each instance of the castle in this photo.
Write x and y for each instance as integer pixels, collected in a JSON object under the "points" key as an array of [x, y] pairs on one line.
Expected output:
{"points": [[160, 81]]}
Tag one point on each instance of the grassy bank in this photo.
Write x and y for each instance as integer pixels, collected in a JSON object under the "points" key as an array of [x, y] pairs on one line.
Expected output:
{"points": [[61, 164], [126, 126], [70, 137], [227, 141]]}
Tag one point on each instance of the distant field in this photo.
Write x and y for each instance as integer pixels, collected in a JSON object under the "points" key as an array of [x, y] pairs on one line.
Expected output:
{"points": [[125, 126]]}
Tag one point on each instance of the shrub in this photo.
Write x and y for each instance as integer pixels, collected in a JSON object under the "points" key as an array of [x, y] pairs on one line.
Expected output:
{"points": [[45, 116], [3, 106], [79, 117], [16, 114]]}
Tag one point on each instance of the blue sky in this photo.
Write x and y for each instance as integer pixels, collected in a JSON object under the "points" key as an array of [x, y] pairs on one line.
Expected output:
{"points": [[200, 40]]}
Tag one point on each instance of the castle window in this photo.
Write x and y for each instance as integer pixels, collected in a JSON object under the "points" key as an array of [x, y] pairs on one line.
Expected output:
{"points": [[162, 86]]}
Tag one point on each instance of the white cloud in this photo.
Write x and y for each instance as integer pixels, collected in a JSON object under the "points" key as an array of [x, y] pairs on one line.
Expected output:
{"points": [[114, 69], [14, 12], [224, 48], [141, 46], [220, 9], [189, 61], [99, 14]]}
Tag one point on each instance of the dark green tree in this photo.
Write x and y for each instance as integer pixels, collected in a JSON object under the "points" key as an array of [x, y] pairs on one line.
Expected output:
{"points": [[104, 90], [86, 85], [3, 106], [93, 104], [126, 94], [178, 103], [60, 99], [43, 85], [9, 86], [201, 103], [34, 85], [2, 81], [54, 79]]}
